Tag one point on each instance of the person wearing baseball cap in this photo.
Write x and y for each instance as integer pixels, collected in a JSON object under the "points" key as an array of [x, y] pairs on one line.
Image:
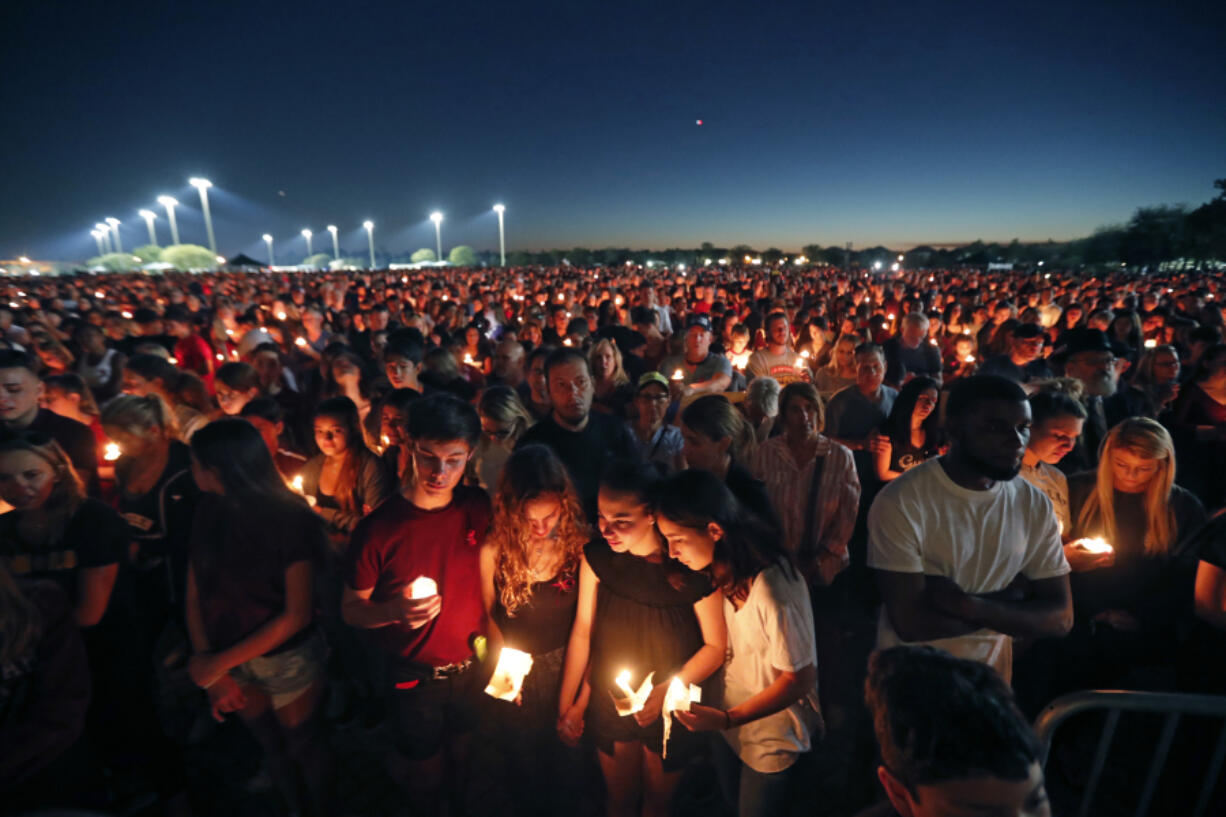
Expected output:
{"points": [[1024, 362], [657, 441], [698, 370]]}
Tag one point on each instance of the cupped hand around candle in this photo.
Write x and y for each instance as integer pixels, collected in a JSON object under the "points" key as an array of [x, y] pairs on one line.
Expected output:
{"points": [[652, 706], [701, 718], [1081, 560], [417, 613]]}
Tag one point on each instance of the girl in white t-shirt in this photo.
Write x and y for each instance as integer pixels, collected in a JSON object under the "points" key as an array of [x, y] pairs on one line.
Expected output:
{"points": [[769, 706]]}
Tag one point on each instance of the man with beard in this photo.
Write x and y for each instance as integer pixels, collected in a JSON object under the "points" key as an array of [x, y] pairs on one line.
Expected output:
{"points": [[585, 441], [1089, 360], [967, 556]]}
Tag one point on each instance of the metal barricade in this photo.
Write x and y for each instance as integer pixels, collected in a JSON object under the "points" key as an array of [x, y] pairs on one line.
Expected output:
{"points": [[1173, 706]]}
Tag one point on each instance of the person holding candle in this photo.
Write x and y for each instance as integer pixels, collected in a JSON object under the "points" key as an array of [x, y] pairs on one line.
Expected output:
{"points": [[394, 434], [1130, 609], [346, 479], [1057, 416], [911, 433], [529, 586], [702, 371], [431, 682], [777, 359], [254, 549], [769, 712], [639, 613], [268, 417]]}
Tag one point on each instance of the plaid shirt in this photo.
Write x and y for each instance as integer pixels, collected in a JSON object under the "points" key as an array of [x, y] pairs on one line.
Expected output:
{"points": [[787, 484]]}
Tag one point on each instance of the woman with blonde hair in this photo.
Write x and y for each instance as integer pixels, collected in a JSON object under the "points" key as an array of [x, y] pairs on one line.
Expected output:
{"points": [[1129, 604], [529, 584], [840, 372], [610, 382], [504, 419], [719, 439]]}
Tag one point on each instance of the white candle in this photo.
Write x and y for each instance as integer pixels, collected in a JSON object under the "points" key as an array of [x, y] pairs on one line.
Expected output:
{"points": [[677, 699], [422, 588], [508, 679], [634, 700]]}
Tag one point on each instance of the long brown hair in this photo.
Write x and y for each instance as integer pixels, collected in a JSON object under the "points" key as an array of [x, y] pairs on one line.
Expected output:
{"points": [[532, 472], [343, 411]]}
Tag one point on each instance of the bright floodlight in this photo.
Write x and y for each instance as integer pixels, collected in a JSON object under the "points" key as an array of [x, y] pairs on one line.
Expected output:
{"points": [[267, 238], [199, 183], [100, 227], [500, 208], [436, 216], [147, 214], [168, 201], [307, 234], [114, 222], [331, 228], [369, 225]]}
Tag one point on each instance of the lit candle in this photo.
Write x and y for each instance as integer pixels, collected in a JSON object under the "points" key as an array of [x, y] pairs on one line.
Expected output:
{"points": [[281, 316], [508, 678], [805, 354], [174, 361], [111, 452], [1095, 545], [468, 359], [99, 294], [567, 342], [968, 359], [422, 588], [126, 314], [300, 342], [677, 698], [221, 357], [741, 361], [1151, 344], [230, 332], [296, 484], [634, 700], [678, 375]]}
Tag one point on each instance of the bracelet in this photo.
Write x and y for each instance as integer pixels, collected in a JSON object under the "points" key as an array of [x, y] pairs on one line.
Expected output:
{"points": [[727, 719]]}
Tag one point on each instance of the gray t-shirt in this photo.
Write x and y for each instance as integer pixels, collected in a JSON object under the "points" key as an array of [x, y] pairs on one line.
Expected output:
{"points": [[713, 365]]}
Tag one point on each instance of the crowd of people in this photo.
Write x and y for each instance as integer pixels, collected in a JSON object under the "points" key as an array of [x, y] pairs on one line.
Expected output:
{"points": [[305, 501]]}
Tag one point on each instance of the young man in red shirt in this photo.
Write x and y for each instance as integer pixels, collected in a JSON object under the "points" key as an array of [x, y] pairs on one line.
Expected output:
{"points": [[433, 531]]}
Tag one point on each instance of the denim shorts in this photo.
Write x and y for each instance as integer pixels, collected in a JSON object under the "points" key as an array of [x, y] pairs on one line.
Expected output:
{"points": [[286, 675]]}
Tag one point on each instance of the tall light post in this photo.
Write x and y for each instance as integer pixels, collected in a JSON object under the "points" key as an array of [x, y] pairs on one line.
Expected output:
{"points": [[272, 261], [114, 222], [307, 235], [502, 236], [336, 247], [370, 240], [203, 186], [149, 216], [170, 203], [97, 234], [105, 231], [437, 218]]}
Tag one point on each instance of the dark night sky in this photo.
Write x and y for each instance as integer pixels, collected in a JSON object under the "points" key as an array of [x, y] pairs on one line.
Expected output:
{"points": [[871, 122]]}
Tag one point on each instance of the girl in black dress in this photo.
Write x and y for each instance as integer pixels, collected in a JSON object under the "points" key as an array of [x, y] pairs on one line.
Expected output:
{"points": [[640, 613], [529, 584]]}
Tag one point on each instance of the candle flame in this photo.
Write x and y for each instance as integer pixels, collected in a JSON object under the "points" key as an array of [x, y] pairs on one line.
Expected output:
{"points": [[805, 354], [634, 699], [112, 452], [296, 484], [1094, 545], [1151, 344], [423, 588], [677, 699], [281, 316], [300, 342], [678, 375]]}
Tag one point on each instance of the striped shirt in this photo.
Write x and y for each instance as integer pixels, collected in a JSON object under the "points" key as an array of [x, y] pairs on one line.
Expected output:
{"points": [[787, 484]]}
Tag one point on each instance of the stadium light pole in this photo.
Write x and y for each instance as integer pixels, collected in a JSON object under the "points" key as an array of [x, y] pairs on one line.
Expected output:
{"points": [[502, 236], [203, 186], [149, 216], [437, 218], [307, 235], [370, 240], [336, 247], [272, 261], [105, 230], [170, 203], [97, 234], [114, 222]]}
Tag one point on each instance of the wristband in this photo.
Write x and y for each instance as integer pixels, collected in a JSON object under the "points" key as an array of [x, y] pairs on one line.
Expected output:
{"points": [[727, 719]]}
